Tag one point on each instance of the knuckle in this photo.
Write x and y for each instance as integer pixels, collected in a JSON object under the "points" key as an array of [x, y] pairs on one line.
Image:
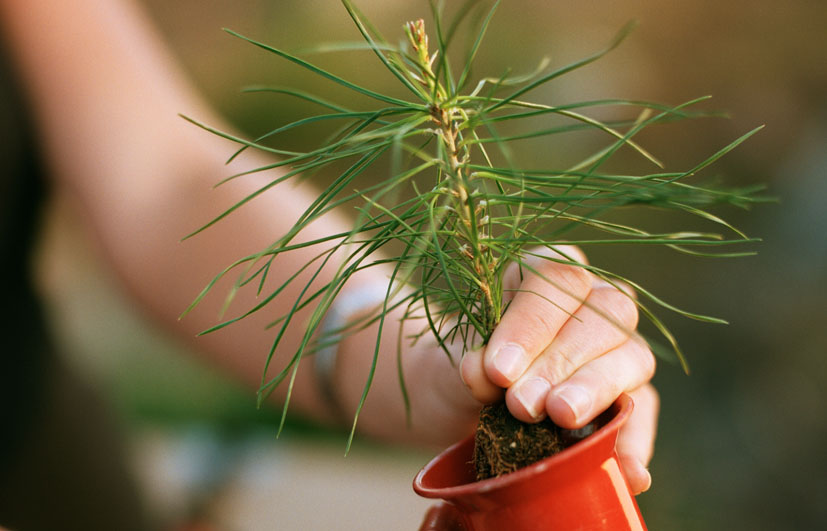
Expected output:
{"points": [[627, 288], [576, 253], [622, 308], [539, 329], [572, 280], [512, 277], [572, 252], [647, 399], [653, 396], [607, 382], [559, 367], [648, 361]]}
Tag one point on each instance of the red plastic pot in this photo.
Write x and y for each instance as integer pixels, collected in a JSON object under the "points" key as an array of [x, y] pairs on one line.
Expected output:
{"points": [[581, 488]]}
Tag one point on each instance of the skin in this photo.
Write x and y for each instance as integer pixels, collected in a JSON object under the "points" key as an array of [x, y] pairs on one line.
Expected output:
{"points": [[106, 94], [571, 358]]}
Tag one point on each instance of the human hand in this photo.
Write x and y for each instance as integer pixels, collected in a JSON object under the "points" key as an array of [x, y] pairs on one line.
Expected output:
{"points": [[566, 349]]}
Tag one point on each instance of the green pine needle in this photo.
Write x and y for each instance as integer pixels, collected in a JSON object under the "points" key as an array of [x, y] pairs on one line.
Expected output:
{"points": [[460, 211]]}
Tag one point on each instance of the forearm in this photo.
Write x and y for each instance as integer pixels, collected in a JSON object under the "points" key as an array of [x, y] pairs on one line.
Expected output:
{"points": [[106, 98]]}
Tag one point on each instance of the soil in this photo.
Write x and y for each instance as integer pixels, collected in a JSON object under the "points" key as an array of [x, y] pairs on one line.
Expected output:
{"points": [[504, 444]]}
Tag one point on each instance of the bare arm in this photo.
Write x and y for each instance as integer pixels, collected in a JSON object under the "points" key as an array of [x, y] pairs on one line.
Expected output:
{"points": [[107, 95]]}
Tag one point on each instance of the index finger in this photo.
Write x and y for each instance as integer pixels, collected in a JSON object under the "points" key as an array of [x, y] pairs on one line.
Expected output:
{"points": [[551, 291]]}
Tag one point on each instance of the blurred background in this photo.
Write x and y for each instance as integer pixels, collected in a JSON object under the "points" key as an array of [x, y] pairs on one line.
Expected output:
{"points": [[742, 439]]}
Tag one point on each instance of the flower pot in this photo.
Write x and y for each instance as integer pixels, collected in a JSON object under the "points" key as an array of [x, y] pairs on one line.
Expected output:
{"points": [[582, 488]]}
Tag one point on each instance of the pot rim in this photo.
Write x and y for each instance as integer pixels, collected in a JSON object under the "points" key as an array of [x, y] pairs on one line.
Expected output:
{"points": [[624, 405]]}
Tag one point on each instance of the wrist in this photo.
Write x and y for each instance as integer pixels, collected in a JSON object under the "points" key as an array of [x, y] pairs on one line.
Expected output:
{"points": [[346, 309]]}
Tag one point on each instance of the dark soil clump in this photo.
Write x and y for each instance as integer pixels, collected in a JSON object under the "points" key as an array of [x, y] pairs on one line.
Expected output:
{"points": [[504, 444]]}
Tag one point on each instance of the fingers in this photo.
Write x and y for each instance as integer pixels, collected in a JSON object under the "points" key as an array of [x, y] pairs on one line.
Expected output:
{"points": [[566, 348], [473, 375], [598, 329], [593, 387], [543, 303], [605, 320], [636, 441]]}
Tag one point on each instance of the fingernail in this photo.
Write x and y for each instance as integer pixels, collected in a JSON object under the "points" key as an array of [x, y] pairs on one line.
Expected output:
{"points": [[644, 474], [532, 395], [577, 398], [648, 480], [509, 361]]}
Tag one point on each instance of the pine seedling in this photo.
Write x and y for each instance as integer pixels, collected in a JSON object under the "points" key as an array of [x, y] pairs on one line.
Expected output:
{"points": [[456, 208]]}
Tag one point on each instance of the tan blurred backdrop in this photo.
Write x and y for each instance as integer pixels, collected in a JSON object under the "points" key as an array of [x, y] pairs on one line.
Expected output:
{"points": [[742, 439]]}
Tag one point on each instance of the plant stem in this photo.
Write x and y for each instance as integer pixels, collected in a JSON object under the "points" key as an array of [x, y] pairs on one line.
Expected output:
{"points": [[471, 226]]}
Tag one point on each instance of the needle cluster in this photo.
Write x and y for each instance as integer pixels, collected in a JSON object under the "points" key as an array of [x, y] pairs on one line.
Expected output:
{"points": [[467, 209]]}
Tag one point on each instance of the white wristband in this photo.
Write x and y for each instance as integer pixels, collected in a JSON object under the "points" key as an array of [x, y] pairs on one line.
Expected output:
{"points": [[343, 309]]}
